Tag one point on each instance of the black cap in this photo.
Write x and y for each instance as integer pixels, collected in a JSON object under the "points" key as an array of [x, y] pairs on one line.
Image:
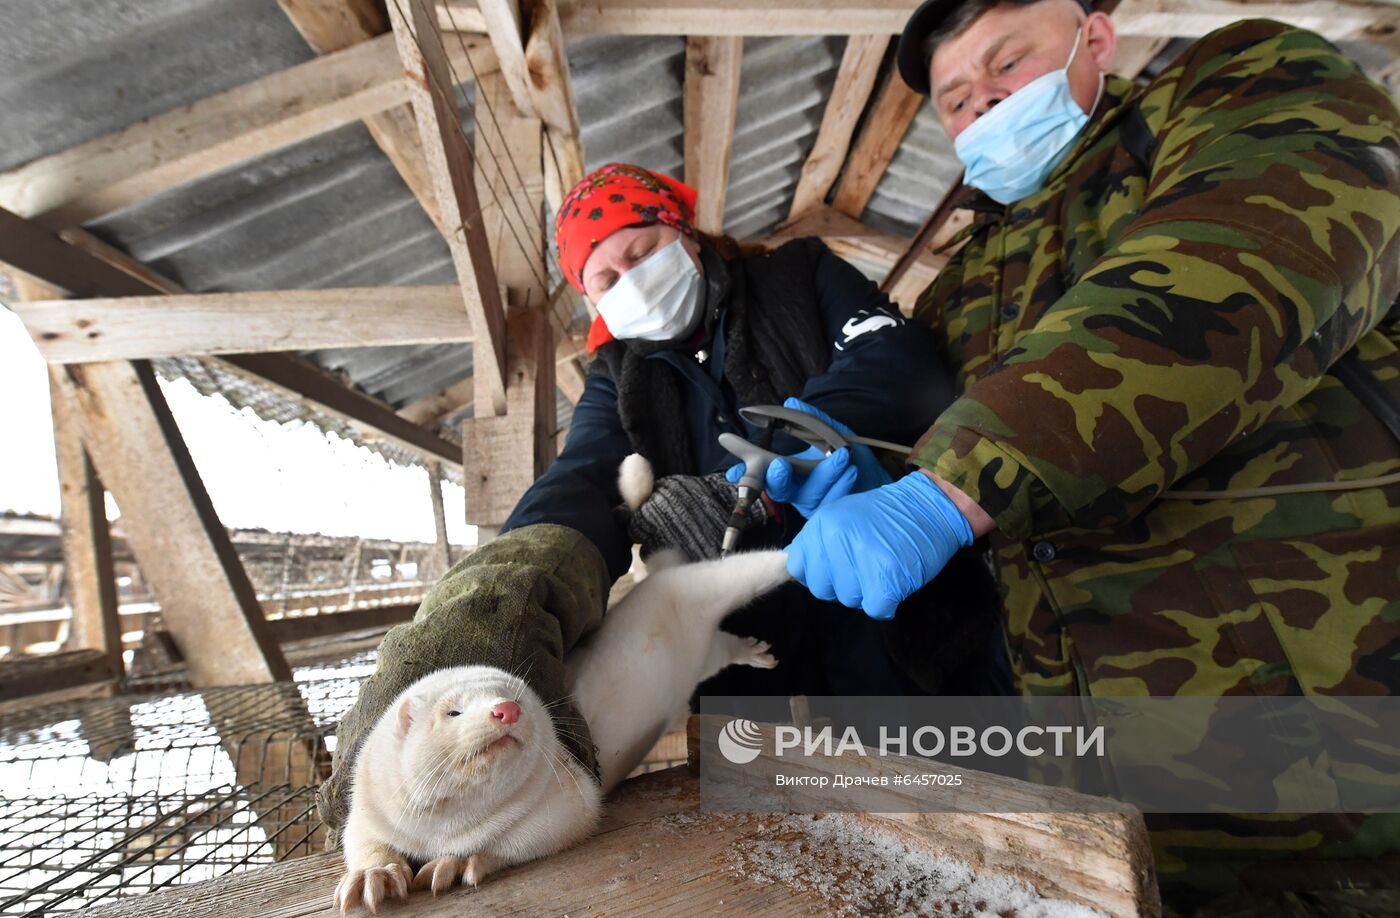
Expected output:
{"points": [[931, 14]]}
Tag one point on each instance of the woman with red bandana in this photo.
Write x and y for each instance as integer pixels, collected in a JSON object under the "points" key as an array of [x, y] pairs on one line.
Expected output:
{"points": [[690, 329]]}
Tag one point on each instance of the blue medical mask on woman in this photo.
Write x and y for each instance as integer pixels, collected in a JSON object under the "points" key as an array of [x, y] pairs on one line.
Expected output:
{"points": [[1012, 149], [658, 299]]}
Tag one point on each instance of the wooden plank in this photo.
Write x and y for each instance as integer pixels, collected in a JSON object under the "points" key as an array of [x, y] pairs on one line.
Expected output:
{"points": [[1062, 843], [98, 273], [442, 552], [1363, 20], [52, 672], [305, 627], [737, 17], [504, 28], [551, 91], [855, 80], [1338, 20], [450, 166], [712, 65], [432, 410], [83, 331], [880, 137], [330, 25], [160, 153], [508, 453], [333, 25], [460, 16], [303, 380], [656, 853], [184, 551], [88, 571]]}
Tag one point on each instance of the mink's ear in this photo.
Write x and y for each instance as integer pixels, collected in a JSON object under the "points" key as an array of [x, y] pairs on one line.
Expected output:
{"points": [[405, 718]]}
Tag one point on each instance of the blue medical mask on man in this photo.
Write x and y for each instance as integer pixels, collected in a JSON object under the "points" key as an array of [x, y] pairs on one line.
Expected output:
{"points": [[658, 299], [1013, 148]]}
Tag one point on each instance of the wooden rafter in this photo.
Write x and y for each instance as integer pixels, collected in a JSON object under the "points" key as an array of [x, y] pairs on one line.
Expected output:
{"points": [[332, 25], [450, 166], [103, 175], [503, 25], [100, 271], [1361, 20], [855, 80], [127, 328], [712, 67], [880, 137]]}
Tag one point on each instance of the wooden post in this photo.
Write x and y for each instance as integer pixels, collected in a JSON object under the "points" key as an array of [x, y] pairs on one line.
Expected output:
{"points": [[87, 539], [712, 66], [443, 554], [503, 455], [206, 599]]}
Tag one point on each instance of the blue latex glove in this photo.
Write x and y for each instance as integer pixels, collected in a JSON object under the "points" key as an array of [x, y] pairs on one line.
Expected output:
{"points": [[871, 551], [855, 470]]}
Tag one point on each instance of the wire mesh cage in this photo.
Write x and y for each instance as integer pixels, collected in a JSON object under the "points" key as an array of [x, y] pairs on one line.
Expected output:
{"points": [[118, 797]]}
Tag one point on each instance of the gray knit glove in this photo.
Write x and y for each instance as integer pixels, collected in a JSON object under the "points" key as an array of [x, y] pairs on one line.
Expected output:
{"points": [[688, 513]]}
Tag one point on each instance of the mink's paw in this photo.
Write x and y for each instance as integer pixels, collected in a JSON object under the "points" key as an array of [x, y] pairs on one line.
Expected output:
{"points": [[750, 651], [370, 886], [441, 874]]}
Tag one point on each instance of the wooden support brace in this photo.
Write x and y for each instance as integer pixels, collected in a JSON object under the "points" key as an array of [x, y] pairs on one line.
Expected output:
{"points": [[860, 67], [205, 596], [880, 137]]}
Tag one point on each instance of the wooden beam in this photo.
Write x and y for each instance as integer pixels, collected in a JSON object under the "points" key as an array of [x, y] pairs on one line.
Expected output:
{"points": [[52, 672], [1064, 844], [89, 575], [370, 417], [432, 410], [880, 137], [127, 328], [1360, 20], [450, 166], [442, 552], [504, 27], [1337, 20], [213, 134], [551, 91], [712, 67], [100, 271], [332, 25], [205, 596], [508, 453], [855, 80], [88, 572], [305, 627], [328, 24]]}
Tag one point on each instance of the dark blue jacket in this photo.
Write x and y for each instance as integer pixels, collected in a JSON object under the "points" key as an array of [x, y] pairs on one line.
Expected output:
{"points": [[885, 380]]}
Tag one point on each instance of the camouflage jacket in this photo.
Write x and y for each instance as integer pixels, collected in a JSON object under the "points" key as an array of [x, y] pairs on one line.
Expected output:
{"points": [[1142, 327]]}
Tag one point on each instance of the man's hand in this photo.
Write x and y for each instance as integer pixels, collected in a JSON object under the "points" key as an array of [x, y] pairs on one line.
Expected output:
{"points": [[846, 471], [870, 551]]}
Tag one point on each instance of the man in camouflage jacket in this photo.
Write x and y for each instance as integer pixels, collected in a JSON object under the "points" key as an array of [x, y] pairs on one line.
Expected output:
{"points": [[1181, 498]]}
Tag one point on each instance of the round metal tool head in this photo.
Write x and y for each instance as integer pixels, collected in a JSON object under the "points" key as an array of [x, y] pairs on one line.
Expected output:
{"points": [[796, 423]]}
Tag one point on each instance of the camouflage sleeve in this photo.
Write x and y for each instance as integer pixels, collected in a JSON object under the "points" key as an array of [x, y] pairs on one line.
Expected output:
{"points": [[1265, 247]]}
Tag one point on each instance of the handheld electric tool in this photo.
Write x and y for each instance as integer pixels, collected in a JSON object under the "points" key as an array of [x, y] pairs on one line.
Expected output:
{"points": [[756, 457]]}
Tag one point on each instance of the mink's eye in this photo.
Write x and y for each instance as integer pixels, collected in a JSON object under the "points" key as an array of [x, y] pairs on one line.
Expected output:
{"points": [[454, 713]]}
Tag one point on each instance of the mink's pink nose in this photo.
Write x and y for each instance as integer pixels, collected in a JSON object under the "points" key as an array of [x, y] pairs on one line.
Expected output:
{"points": [[507, 712]]}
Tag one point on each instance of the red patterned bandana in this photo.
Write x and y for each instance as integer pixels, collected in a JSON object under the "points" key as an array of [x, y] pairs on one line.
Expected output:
{"points": [[613, 197]]}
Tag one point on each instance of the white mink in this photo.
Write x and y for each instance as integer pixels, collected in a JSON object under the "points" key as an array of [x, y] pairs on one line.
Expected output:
{"points": [[464, 771]]}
